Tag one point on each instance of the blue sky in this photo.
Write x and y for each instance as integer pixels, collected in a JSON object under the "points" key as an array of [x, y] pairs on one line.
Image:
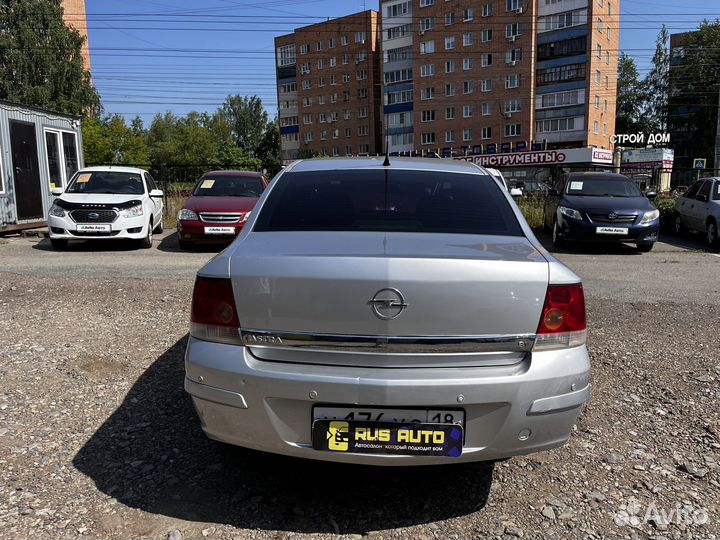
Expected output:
{"points": [[151, 56]]}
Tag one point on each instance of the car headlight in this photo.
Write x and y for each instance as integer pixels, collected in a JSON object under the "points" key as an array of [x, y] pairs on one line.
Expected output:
{"points": [[650, 216], [187, 215], [133, 211], [570, 212], [56, 211]]}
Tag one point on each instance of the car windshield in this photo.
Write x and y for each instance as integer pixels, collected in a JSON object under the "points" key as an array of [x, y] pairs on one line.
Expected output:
{"points": [[600, 187], [388, 200], [108, 182], [229, 186]]}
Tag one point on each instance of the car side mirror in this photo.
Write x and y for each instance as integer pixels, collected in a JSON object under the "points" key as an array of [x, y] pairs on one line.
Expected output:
{"points": [[156, 193], [651, 195], [552, 192], [57, 191], [515, 192]]}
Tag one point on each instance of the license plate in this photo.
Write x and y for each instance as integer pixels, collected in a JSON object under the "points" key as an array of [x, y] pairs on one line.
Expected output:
{"points": [[219, 230], [388, 438], [93, 228], [612, 230], [372, 414]]}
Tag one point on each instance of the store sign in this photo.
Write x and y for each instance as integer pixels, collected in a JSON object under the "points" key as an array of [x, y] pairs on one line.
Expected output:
{"points": [[549, 157], [640, 138]]}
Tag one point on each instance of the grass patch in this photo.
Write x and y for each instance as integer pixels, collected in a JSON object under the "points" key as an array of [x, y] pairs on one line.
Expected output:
{"points": [[532, 209], [174, 201]]}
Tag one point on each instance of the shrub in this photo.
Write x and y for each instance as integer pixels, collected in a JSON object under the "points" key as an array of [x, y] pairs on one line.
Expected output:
{"points": [[666, 205], [532, 209]]}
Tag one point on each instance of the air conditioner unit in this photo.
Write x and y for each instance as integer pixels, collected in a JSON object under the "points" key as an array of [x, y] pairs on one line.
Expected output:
{"points": [[519, 11], [513, 62], [512, 38]]}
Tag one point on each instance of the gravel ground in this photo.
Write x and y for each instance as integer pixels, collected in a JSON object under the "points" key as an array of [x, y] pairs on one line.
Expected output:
{"points": [[98, 439]]}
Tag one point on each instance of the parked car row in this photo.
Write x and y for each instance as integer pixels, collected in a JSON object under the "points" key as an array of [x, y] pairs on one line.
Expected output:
{"points": [[124, 203], [698, 210]]}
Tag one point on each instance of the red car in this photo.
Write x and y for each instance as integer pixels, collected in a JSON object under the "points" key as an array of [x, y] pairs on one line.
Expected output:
{"points": [[219, 207]]}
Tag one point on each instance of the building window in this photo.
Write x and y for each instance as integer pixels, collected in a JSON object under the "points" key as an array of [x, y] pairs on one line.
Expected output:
{"points": [[428, 138], [305, 68], [600, 25], [363, 112], [450, 136], [307, 102], [308, 137], [486, 85], [513, 5], [428, 23], [596, 127], [487, 10], [486, 108], [427, 47], [468, 14], [467, 134], [449, 43], [467, 111], [306, 84], [321, 100], [333, 80], [467, 39], [348, 133], [449, 19], [333, 62], [605, 128], [467, 87], [607, 58], [348, 150], [404, 96], [486, 35], [597, 102], [332, 43], [512, 81], [486, 59], [513, 56], [449, 89], [346, 95], [512, 130], [343, 40], [321, 82], [570, 72], [394, 55], [427, 93], [486, 133], [450, 66], [333, 98], [305, 49], [512, 106], [426, 3], [559, 99], [321, 63], [556, 124], [362, 74], [396, 10], [346, 77], [598, 75], [360, 37], [468, 63], [607, 82], [363, 131], [320, 46], [513, 30], [427, 70], [599, 51], [286, 55], [605, 105], [397, 76], [427, 116], [449, 113], [323, 135], [362, 93], [322, 118], [399, 31]]}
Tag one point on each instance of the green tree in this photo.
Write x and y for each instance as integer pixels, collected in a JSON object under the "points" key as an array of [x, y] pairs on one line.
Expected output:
{"points": [[110, 141], [248, 119], [695, 83], [630, 98], [41, 63], [656, 85], [269, 149]]}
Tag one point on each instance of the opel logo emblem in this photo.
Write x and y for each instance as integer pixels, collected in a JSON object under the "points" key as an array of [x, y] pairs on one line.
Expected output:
{"points": [[93, 215], [387, 304], [613, 215]]}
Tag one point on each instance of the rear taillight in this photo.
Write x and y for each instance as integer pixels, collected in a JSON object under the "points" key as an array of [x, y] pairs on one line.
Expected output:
{"points": [[563, 323], [213, 315]]}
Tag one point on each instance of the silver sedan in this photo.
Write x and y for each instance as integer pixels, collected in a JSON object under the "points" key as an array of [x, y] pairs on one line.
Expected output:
{"points": [[388, 313]]}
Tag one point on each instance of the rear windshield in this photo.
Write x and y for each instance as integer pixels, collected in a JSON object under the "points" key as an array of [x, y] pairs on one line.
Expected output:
{"points": [[229, 186], [388, 200], [108, 182], [602, 187]]}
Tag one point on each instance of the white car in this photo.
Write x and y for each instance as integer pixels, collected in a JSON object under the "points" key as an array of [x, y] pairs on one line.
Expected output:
{"points": [[106, 202]]}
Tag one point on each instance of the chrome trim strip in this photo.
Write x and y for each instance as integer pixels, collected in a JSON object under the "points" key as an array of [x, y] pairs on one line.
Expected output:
{"points": [[269, 339]]}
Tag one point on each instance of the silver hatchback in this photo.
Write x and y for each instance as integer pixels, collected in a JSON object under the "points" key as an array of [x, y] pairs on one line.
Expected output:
{"points": [[388, 314]]}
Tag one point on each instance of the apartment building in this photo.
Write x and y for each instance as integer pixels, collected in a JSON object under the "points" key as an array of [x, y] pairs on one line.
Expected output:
{"points": [[75, 16], [329, 88], [499, 76]]}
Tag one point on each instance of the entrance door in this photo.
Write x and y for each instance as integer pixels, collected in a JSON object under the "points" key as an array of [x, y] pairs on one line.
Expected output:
{"points": [[26, 172]]}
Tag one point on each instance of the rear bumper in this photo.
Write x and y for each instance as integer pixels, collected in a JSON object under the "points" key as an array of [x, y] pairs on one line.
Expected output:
{"points": [[510, 410], [194, 232], [581, 231]]}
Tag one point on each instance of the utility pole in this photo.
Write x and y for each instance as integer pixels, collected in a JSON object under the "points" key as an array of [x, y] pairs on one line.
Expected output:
{"points": [[717, 138]]}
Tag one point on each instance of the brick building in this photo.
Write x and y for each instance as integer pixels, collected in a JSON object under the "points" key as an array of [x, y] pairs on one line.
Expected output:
{"points": [[487, 76], [329, 89], [76, 17]]}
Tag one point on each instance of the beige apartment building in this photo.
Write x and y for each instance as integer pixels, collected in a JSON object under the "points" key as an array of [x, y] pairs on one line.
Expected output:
{"points": [[329, 88]]}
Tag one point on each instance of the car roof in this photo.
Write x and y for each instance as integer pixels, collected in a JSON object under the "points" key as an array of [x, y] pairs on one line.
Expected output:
{"points": [[113, 168], [595, 175], [397, 163], [233, 173]]}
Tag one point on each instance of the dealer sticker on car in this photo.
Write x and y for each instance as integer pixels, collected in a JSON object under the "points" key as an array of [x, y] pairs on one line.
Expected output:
{"points": [[219, 230], [92, 227], [612, 230]]}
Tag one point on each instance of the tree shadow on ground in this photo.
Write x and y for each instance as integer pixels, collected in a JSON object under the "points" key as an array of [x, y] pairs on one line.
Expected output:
{"points": [[151, 454]]}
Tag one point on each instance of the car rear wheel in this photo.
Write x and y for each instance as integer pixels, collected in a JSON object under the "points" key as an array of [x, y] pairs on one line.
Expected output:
{"points": [[557, 240], [645, 248], [146, 243], [58, 243], [711, 237], [679, 227]]}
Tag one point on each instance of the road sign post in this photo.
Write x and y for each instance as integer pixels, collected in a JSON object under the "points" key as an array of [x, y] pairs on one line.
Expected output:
{"points": [[699, 164]]}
